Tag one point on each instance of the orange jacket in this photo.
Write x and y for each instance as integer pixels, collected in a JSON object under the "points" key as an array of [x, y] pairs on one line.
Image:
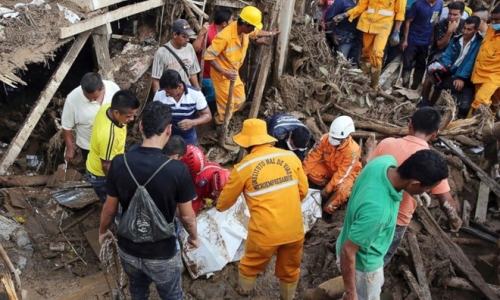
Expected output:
{"points": [[377, 16], [330, 166], [487, 65], [274, 184]]}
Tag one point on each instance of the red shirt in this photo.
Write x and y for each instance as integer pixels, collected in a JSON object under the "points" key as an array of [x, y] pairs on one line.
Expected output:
{"points": [[212, 32]]}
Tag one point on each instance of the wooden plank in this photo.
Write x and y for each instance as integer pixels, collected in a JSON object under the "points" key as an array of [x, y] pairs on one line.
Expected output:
{"points": [[92, 237], [483, 197], [108, 17], [387, 78], [412, 282], [449, 249], [492, 184], [98, 4], [101, 51], [466, 214], [419, 265], [39, 107], [285, 18]]}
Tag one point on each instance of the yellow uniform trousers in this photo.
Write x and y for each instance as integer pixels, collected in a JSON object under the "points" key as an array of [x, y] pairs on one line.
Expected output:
{"points": [[288, 258], [373, 48], [486, 93], [221, 87]]}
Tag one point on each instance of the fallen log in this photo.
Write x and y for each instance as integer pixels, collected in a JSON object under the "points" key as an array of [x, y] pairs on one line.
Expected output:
{"points": [[470, 241], [449, 249], [493, 185], [11, 267], [419, 266], [329, 290], [460, 283], [23, 180]]}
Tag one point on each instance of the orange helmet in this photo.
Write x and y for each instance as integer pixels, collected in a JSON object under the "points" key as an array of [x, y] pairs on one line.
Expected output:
{"points": [[194, 159]]}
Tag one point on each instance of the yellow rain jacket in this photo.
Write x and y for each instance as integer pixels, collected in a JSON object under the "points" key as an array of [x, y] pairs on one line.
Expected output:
{"points": [[273, 184], [377, 16], [229, 51]]}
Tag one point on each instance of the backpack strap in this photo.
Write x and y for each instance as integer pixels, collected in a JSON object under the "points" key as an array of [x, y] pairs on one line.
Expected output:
{"points": [[154, 174]]}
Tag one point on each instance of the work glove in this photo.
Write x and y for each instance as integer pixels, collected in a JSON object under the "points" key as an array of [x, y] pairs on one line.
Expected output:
{"points": [[394, 40], [455, 224], [339, 18]]}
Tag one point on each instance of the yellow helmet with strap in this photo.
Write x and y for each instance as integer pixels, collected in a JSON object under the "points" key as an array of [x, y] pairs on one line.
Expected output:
{"points": [[252, 15]]}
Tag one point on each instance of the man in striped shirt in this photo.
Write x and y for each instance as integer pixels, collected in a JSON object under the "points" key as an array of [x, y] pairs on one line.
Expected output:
{"points": [[108, 138], [189, 106]]}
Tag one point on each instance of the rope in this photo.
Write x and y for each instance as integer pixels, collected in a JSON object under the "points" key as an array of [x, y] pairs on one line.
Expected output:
{"points": [[109, 259]]}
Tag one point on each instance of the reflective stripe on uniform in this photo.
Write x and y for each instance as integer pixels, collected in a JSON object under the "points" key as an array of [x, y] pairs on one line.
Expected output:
{"points": [[382, 12], [353, 161], [272, 189], [260, 158], [231, 49]]}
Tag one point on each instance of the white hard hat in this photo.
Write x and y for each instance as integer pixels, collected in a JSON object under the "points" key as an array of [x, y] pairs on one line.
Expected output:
{"points": [[341, 127]]}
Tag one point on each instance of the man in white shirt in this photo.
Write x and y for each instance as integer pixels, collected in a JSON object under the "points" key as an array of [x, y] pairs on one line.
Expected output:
{"points": [[80, 109], [189, 106], [186, 62]]}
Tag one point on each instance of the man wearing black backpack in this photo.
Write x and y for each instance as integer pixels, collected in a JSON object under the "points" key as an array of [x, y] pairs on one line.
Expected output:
{"points": [[148, 179]]}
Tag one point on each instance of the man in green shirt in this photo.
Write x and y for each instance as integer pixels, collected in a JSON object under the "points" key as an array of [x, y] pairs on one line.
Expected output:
{"points": [[371, 215]]}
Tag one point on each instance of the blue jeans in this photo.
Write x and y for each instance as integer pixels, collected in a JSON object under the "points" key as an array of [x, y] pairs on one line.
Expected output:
{"points": [[208, 89], [164, 273], [369, 284], [99, 185], [351, 51], [399, 233]]}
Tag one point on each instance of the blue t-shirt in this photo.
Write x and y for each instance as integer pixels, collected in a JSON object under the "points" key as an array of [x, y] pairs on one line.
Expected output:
{"points": [[424, 16]]}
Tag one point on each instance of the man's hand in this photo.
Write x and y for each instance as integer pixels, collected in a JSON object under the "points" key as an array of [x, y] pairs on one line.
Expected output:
{"points": [[186, 124], [231, 74], [458, 84], [371, 144], [70, 154], [394, 40], [452, 26], [404, 44], [275, 31], [324, 193], [339, 18], [350, 296], [192, 243], [107, 235], [204, 29], [455, 224]]}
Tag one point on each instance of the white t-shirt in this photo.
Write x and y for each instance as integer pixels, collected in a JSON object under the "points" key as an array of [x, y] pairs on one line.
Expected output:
{"points": [[164, 60], [79, 113]]}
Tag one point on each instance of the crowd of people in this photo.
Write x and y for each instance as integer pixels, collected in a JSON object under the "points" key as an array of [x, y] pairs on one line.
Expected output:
{"points": [[448, 45], [161, 183]]}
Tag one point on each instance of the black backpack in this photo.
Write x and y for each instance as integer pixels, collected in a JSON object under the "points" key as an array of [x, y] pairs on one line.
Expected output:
{"points": [[143, 222]]}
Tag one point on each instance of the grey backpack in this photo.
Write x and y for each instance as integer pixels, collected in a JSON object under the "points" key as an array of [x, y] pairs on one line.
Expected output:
{"points": [[143, 222]]}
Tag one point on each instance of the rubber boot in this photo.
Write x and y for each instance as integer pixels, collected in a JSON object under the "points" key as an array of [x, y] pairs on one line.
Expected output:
{"points": [[406, 79], [245, 284], [365, 67], [375, 74], [418, 75], [287, 290]]}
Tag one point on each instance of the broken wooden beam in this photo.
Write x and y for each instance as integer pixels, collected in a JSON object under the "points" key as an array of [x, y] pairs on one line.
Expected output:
{"points": [[23, 180], [66, 263], [17, 144], [492, 184], [265, 66], [101, 50], [9, 286], [108, 17], [449, 249], [419, 265], [78, 220], [483, 197], [11, 267], [412, 282], [460, 283], [470, 241]]}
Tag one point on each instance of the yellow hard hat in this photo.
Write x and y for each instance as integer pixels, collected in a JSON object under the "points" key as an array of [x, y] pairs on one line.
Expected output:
{"points": [[252, 15]]}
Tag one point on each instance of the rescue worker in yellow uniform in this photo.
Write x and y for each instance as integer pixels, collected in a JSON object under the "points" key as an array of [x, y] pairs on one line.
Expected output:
{"points": [[486, 73], [274, 184], [333, 165], [376, 18], [226, 55]]}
